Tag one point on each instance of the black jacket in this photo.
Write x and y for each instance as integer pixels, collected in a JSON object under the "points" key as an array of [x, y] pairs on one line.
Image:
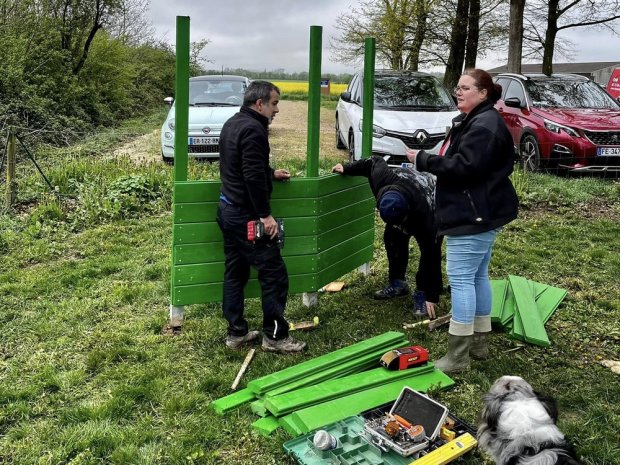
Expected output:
{"points": [[418, 188], [474, 193], [244, 162]]}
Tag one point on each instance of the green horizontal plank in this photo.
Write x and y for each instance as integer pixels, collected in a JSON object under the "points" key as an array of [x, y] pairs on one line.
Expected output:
{"points": [[328, 239], [229, 402], [344, 198], [346, 265], [317, 416], [199, 273], [212, 292], [345, 249], [209, 191], [331, 389], [192, 233], [266, 426], [344, 355], [206, 211], [214, 251], [335, 218]]}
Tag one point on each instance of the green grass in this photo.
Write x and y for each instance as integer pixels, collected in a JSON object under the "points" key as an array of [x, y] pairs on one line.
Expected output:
{"points": [[86, 377]]}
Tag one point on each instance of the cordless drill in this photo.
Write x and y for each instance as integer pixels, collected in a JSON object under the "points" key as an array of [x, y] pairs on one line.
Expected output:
{"points": [[256, 232]]}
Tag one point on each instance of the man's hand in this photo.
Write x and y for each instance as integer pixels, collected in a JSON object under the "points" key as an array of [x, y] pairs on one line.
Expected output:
{"points": [[411, 154], [338, 168], [271, 227], [281, 175], [430, 308]]}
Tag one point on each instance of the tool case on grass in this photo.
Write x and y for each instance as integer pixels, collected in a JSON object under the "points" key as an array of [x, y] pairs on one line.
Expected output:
{"points": [[356, 444]]}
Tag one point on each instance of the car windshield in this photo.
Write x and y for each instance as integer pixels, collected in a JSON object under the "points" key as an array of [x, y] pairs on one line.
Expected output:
{"points": [[216, 92], [407, 92], [563, 93]]}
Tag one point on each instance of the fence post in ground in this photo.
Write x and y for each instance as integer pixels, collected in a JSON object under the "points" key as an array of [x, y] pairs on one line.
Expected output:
{"points": [[11, 185]]}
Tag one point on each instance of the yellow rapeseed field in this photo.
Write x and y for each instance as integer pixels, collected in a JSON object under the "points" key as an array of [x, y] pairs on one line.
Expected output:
{"points": [[301, 87]]}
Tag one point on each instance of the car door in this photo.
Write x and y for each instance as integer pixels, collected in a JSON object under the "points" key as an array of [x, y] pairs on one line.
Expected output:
{"points": [[348, 111], [514, 117]]}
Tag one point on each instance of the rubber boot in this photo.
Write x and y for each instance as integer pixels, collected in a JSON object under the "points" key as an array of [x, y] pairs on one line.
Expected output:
{"points": [[459, 342], [480, 347]]}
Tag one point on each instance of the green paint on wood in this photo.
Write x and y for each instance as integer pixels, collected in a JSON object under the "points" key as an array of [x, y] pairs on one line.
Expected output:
{"points": [[525, 305], [232, 401], [265, 426]]}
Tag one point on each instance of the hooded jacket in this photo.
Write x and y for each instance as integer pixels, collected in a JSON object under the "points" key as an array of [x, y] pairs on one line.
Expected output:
{"points": [[474, 193]]}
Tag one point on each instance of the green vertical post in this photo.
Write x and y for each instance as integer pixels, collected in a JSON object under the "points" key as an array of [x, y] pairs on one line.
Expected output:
{"points": [[181, 115], [314, 102], [369, 96]]}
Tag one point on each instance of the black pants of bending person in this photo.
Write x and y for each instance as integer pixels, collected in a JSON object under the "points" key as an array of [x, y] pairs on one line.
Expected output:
{"points": [[241, 255], [428, 277]]}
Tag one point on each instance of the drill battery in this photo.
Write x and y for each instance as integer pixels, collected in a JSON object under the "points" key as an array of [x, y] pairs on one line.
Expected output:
{"points": [[256, 232]]}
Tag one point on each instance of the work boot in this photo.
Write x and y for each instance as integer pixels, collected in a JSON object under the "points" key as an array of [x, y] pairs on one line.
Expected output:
{"points": [[288, 345], [237, 342], [479, 349], [457, 358], [396, 288], [419, 304]]}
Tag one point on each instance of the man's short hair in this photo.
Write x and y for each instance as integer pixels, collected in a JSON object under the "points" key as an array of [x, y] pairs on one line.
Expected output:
{"points": [[258, 90]]}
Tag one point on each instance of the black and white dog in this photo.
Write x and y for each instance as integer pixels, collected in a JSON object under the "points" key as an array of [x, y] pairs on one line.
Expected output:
{"points": [[518, 426]]}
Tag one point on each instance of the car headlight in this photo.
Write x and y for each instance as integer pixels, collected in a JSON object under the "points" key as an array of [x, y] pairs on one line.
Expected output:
{"points": [[557, 128], [171, 124], [377, 131]]}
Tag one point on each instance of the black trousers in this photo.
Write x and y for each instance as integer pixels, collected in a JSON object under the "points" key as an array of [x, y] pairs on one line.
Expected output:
{"points": [[240, 255], [428, 277]]}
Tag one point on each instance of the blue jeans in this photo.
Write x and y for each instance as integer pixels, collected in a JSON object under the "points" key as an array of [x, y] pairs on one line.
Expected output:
{"points": [[467, 266]]}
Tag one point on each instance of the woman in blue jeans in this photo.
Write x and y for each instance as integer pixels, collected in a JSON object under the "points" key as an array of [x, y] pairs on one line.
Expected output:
{"points": [[474, 199]]}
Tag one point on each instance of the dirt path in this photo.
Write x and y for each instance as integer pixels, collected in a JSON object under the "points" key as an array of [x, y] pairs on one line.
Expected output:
{"points": [[288, 137]]}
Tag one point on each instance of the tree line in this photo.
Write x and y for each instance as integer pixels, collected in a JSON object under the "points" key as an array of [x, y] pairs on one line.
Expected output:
{"points": [[455, 33]]}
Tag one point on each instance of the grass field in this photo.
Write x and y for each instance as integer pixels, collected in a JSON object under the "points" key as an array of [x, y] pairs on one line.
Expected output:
{"points": [[87, 377]]}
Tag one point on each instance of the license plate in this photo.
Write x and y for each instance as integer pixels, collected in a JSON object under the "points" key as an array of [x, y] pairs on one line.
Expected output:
{"points": [[204, 140], [608, 151]]}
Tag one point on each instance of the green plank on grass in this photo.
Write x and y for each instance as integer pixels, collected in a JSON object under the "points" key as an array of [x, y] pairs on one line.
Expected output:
{"points": [[533, 327], [509, 307], [316, 416], [331, 389], [518, 331], [266, 426], [224, 404], [269, 382], [549, 301], [258, 407], [498, 294]]}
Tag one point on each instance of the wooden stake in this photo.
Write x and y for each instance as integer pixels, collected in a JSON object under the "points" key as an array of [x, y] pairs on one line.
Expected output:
{"points": [[432, 324], [244, 366]]}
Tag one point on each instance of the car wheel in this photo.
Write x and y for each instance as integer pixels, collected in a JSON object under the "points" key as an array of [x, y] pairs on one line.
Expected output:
{"points": [[339, 143], [167, 160], [530, 153], [351, 147]]}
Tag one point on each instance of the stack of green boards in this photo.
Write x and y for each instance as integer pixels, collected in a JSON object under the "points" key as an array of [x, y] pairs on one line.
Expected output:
{"points": [[522, 307], [331, 387]]}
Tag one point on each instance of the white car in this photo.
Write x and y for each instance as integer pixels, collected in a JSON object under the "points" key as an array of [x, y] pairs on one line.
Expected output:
{"points": [[411, 109], [212, 100]]}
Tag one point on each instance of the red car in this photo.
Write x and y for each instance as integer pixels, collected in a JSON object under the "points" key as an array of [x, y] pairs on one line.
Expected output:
{"points": [[561, 121]]}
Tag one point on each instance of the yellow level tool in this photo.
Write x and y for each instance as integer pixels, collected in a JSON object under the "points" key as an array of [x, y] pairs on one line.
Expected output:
{"points": [[448, 452]]}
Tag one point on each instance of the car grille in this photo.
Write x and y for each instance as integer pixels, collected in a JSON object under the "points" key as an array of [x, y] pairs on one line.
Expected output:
{"points": [[413, 143], [603, 137], [203, 149]]}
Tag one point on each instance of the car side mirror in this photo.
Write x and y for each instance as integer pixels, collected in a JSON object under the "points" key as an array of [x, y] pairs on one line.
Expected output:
{"points": [[346, 97], [168, 101], [513, 102]]}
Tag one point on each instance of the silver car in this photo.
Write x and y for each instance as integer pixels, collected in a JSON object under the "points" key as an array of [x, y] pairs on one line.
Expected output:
{"points": [[212, 100]]}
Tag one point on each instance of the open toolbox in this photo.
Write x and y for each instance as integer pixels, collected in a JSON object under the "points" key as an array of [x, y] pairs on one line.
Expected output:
{"points": [[360, 439]]}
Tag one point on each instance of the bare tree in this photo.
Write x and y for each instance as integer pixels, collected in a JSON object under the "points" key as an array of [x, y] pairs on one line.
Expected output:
{"points": [[473, 34], [454, 67], [562, 15], [515, 37]]}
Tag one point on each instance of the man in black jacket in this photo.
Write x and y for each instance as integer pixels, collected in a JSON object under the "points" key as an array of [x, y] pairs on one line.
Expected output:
{"points": [[245, 196], [405, 200]]}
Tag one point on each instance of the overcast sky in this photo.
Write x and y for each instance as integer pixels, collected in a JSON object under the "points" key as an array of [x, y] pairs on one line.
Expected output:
{"points": [[273, 34]]}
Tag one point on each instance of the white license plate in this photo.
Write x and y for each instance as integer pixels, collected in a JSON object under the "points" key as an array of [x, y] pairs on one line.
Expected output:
{"points": [[608, 151], [204, 140]]}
